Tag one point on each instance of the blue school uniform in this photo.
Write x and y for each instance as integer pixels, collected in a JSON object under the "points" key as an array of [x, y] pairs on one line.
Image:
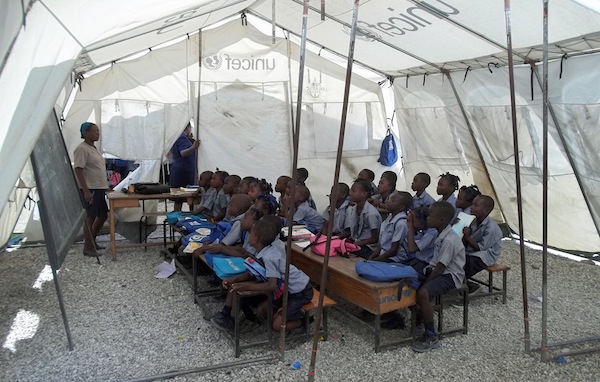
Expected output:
{"points": [[306, 215], [424, 200], [361, 225], [339, 217], [425, 240], [488, 236], [221, 202], [450, 251], [393, 229], [234, 236], [246, 243], [208, 199], [273, 257]]}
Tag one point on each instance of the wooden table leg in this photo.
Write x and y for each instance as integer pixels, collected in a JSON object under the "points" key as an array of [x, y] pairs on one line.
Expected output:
{"points": [[113, 244]]}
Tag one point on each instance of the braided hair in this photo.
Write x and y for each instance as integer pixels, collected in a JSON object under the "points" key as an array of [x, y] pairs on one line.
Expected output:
{"points": [[452, 179], [265, 187], [471, 192], [268, 204]]}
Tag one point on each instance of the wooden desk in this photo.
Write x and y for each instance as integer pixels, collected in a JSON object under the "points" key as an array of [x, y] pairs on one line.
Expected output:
{"points": [[342, 280], [122, 200]]}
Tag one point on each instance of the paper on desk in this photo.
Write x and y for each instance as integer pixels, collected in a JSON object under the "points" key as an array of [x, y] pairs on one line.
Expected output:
{"points": [[464, 220], [302, 244], [164, 269], [192, 246]]}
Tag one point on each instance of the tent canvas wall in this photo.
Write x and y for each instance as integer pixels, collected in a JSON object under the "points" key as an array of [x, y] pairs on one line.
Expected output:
{"points": [[45, 48]]}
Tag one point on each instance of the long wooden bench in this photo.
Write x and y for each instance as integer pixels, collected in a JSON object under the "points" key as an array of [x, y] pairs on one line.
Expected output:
{"points": [[491, 289]]}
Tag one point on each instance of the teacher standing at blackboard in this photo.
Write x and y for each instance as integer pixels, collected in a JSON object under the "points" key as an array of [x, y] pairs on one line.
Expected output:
{"points": [[90, 171]]}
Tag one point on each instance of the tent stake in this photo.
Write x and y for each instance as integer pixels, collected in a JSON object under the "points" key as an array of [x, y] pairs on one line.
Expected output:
{"points": [[335, 191], [513, 109]]}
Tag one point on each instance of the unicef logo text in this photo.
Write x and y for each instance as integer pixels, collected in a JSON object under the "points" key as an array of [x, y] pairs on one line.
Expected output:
{"points": [[216, 61]]}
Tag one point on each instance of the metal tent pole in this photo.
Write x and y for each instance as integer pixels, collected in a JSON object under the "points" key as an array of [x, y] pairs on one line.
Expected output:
{"points": [[198, 100], [290, 216], [544, 348], [513, 108], [336, 177]]}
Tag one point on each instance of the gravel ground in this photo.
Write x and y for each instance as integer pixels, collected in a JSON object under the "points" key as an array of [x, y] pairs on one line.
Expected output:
{"points": [[126, 324]]}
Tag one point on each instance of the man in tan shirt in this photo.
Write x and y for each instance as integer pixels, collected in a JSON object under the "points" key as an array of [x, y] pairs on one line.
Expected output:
{"points": [[90, 171]]}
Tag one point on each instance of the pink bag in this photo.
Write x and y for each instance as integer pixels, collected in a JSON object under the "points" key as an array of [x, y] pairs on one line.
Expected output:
{"points": [[341, 247]]}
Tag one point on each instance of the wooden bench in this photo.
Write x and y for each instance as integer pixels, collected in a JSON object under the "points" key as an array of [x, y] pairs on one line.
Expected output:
{"points": [[491, 289], [312, 307]]}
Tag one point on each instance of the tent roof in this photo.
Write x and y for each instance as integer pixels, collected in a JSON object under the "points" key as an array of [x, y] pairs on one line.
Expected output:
{"points": [[416, 37]]}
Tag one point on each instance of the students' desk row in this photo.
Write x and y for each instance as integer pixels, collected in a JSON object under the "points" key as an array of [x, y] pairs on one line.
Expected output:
{"points": [[342, 280], [121, 200]]}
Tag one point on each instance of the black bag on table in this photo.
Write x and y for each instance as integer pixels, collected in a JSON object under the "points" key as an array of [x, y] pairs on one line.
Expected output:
{"points": [[151, 188]]}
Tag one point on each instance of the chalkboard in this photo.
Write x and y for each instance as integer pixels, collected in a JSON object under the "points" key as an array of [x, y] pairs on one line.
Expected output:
{"points": [[60, 205]]}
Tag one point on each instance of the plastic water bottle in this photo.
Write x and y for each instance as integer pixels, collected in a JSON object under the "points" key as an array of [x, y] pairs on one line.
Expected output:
{"points": [[296, 365]]}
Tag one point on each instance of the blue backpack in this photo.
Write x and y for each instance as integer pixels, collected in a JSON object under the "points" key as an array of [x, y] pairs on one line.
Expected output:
{"points": [[228, 266], [217, 232], [388, 155], [257, 269], [379, 271]]}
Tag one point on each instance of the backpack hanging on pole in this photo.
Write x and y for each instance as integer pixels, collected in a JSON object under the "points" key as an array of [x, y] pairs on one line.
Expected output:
{"points": [[388, 155]]}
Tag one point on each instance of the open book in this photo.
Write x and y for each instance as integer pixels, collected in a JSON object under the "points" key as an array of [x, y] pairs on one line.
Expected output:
{"points": [[464, 220]]}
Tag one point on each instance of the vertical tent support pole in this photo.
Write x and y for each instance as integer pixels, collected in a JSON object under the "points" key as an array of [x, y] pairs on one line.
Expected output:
{"points": [[336, 177], [273, 22], [544, 345], [513, 108], [199, 94], [292, 207]]}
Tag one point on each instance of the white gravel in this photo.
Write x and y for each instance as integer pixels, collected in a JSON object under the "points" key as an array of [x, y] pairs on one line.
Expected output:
{"points": [[126, 324]]}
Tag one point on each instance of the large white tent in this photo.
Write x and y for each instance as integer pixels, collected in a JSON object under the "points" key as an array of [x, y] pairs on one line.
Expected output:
{"points": [[444, 61]]}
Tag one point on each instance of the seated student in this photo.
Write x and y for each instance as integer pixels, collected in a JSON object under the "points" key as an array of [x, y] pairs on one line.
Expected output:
{"points": [[368, 175], [267, 204], [483, 239], [245, 249], [420, 239], [420, 182], [341, 210], [214, 200], [204, 183], [363, 219], [303, 213], [446, 186], [237, 208], [444, 272], [386, 187], [302, 175], [393, 231], [281, 185], [259, 186], [465, 198], [231, 183], [244, 185], [262, 237]]}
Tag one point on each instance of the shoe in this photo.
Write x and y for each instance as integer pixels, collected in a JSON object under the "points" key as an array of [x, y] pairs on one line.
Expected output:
{"points": [[184, 260], [427, 342], [223, 322], [474, 288]]}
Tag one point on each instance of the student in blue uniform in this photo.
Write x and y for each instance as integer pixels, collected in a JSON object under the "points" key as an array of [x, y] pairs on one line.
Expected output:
{"points": [[419, 184], [483, 239], [393, 231], [341, 210], [444, 272]]}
